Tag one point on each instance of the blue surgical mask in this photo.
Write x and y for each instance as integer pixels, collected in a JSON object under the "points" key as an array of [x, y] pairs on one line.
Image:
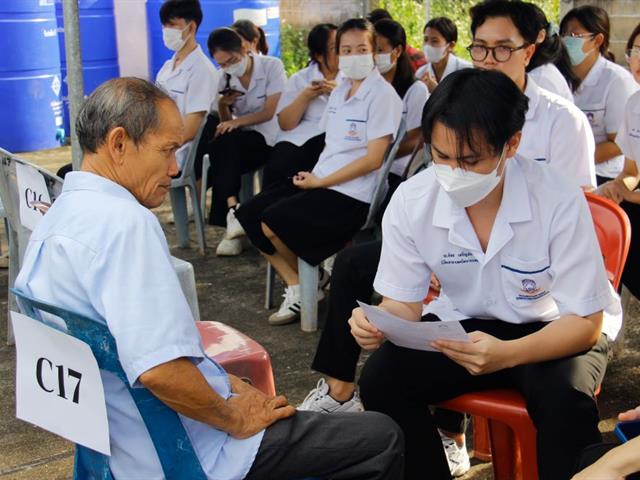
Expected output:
{"points": [[574, 49]]}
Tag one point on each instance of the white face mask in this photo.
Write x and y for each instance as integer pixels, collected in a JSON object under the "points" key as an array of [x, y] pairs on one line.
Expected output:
{"points": [[467, 188], [172, 38], [384, 63], [237, 69], [434, 54], [356, 67]]}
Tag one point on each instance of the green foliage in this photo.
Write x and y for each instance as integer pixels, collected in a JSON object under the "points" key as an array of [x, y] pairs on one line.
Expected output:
{"points": [[293, 48], [411, 14]]}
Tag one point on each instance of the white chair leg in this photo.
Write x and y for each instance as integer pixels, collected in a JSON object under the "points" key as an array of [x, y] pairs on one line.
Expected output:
{"points": [[197, 215], [180, 215], [204, 179], [269, 288], [309, 296]]}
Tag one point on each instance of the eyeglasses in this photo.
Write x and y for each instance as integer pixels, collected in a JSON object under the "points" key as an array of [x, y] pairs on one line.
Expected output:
{"points": [[632, 53], [501, 53], [579, 35], [231, 61]]}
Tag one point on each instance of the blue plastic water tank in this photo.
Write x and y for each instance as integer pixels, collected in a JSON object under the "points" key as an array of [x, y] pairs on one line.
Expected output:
{"points": [[29, 76], [216, 14], [97, 44]]}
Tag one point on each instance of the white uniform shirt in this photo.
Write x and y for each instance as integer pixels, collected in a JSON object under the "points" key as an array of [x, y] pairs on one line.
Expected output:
{"points": [[268, 78], [373, 112], [557, 132], [309, 125], [192, 85], [542, 261], [412, 106], [628, 137], [548, 76], [100, 253], [602, 96], [453, 65]]}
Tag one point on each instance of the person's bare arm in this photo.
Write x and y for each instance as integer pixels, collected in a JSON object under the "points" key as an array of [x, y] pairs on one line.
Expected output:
{"points": [[409, 142], [182, 387], [371, 161], [608, 149], [192, 124], [290, 116], [561, 338]]}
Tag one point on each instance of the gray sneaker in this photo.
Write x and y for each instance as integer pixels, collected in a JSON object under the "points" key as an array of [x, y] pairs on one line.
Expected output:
{"points": [[319, 400]]}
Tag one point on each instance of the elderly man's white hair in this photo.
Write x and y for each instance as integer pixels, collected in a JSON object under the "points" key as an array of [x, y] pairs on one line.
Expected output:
{"points": [[128, 102]]}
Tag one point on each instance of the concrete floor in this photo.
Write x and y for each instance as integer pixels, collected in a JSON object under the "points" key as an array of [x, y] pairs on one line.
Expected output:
{"points": [[231, 290]]}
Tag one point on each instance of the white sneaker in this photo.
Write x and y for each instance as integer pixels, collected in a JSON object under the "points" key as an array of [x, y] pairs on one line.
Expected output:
{"points": [[457, 457], [289, 310], [234, 228], [319, 400], [229, 248]]}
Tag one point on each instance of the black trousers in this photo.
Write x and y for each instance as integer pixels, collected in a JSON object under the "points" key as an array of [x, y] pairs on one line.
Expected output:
{"points": [[631, 274], [287, 159], [232, 155], [559, 394], [352, 279], [364, 445]]}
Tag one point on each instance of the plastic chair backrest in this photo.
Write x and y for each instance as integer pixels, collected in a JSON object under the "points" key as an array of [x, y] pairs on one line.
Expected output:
{"points": [[189, 163], [614, 234], [383, 172], [10, 194], [169, 437]]}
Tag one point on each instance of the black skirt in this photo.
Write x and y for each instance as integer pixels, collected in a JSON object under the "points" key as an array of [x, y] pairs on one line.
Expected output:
{"points": [[314, 224]]}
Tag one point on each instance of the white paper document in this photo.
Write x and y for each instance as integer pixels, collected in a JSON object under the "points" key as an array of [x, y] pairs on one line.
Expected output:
{"points": [[33, 194], [416, 335]]}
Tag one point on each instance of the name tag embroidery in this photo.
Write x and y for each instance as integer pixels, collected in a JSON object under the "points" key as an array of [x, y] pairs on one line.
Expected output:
{"points": [[458, 259]]}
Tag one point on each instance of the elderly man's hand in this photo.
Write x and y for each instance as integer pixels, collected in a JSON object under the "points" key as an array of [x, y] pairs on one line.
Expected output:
{"points": [[253, 410]]}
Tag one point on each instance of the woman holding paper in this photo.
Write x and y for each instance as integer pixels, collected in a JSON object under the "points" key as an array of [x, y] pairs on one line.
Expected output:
{"points": [[513, 246]]}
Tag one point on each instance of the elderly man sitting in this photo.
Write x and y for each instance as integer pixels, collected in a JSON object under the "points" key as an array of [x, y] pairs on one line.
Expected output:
{"points": [[100, 251]]}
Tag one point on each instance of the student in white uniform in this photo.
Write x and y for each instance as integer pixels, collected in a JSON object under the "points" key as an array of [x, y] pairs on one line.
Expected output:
{"points": [[623, 189], [604, 87], [550, 66], [394, 64], [556, 131], [253, 37], [337, 353], [324, 208], [188, 76], [250, 89], [301, 137], [440, 37], [513, 245]]}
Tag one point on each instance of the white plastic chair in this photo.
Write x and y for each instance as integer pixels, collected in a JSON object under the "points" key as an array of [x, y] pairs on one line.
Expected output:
{"points": [[17, 233], [178, 196]]}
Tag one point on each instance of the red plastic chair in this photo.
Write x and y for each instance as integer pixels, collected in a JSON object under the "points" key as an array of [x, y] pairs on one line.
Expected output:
{"points": [[238, 354], [512, 435]]}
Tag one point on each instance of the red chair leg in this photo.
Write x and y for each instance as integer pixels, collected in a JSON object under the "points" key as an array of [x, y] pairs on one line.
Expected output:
{"points": [[504, 458], [481, 440], [527, 448]]}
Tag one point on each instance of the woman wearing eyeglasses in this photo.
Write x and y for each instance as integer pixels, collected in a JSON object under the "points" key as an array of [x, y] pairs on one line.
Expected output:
{"points": [[604, 86], [555, 131]]}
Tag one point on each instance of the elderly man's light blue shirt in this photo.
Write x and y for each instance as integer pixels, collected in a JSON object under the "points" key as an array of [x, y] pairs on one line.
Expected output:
{"points": [[100, 253]]}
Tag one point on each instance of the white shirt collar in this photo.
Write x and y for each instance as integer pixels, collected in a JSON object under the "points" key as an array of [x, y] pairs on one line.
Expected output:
{"points": [[515, 207], [188, 62], [89, 181], [594, 74], [365, 87]]}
